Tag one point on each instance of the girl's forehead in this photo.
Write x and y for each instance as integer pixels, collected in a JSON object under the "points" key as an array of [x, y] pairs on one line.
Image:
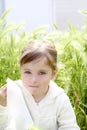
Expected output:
{"points": [[38, 63], [40, 60]]}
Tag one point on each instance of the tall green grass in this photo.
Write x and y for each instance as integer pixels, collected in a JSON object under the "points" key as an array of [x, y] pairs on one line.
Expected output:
{"points": [[72, 75], [12, 38], [72, 59]]}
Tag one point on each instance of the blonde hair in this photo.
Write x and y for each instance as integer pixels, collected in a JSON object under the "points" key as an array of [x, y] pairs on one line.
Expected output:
{"points": [[37, 49]]}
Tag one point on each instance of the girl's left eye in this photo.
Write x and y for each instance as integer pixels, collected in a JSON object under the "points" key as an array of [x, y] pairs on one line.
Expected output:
{"points": [[42, 73], [27, 72]]}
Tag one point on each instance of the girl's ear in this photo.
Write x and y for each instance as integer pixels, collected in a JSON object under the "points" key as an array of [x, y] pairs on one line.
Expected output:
{"points": [[54, 73]]}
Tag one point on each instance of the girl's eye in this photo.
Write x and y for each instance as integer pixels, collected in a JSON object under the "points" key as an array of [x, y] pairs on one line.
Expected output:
{"points": [[42, 73], [27, 72]]}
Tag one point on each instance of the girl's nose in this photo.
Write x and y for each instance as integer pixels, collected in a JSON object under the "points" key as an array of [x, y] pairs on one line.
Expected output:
{"points": [[34, 79]]}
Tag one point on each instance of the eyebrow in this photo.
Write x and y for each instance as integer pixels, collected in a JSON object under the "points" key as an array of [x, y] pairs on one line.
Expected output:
{"points": [[46, 70], [26, 69]]}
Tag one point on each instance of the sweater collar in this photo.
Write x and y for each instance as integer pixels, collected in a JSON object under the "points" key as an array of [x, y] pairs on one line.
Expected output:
{"points": [[53, 92]]}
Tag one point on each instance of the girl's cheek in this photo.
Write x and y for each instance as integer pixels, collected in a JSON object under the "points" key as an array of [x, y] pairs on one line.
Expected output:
{"points": [[25, 78], [43, 78]]}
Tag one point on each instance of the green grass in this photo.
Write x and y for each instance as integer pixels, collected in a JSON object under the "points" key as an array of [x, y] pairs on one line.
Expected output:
{"points": [[72, 59]]}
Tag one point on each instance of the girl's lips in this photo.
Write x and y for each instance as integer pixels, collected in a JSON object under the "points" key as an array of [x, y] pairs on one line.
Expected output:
{"points": [[33, 86]]}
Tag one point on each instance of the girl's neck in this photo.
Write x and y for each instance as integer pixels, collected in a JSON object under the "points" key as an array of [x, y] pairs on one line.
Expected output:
{"points": [[40, 95]]}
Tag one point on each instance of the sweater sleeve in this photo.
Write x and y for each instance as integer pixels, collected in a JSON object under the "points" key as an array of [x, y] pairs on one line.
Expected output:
{"points": [[3, 117], [66, 117]]}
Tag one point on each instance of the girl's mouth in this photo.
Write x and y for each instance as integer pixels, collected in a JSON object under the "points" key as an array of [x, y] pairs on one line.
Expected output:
{"points": [[33, 86]]}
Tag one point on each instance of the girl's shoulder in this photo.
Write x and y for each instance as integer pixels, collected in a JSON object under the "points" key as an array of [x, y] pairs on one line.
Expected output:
{"points": [[57, 92]]}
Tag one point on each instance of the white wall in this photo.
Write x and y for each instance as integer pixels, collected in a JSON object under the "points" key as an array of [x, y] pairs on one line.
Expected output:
{"points": [[68, 11], [33, 12], [2, 6], [44, 12]]}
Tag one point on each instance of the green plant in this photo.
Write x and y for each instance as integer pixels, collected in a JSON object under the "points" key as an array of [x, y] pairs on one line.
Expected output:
{"points": [[72, 59], [31, 127], [72, 75], [12, 38]]}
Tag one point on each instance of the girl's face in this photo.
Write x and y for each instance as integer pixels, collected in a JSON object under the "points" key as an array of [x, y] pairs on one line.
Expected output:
{"points": [[36, 76]]}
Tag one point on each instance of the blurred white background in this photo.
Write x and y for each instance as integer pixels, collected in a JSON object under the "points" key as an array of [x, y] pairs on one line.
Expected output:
{"points": [[36, 13]]}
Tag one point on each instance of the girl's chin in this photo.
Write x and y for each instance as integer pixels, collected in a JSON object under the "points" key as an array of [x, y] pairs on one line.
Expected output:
{"points": [[32, 90]]}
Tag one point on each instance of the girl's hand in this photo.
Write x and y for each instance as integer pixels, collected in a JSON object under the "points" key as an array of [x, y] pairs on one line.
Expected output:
{"points": [[3, 95]]}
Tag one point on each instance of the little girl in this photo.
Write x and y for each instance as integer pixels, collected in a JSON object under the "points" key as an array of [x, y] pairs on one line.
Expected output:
{"points": [[35, 98]]}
